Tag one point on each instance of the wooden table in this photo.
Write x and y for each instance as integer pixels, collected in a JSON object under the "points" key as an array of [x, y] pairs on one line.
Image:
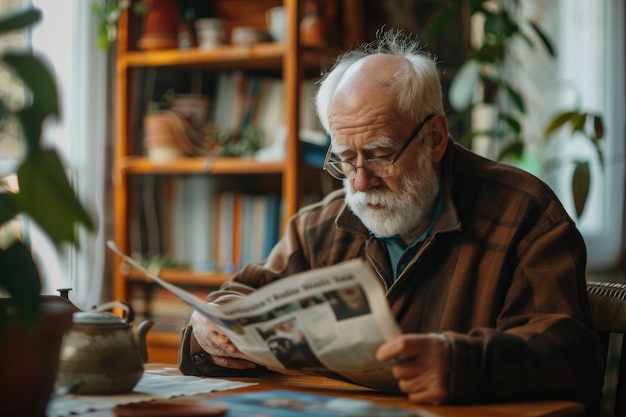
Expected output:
{"points": [[335, 388], [326, 386]]}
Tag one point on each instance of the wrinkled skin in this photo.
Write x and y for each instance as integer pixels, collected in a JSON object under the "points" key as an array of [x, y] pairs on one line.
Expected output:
{"points": [[221, 349], [421, 365]]}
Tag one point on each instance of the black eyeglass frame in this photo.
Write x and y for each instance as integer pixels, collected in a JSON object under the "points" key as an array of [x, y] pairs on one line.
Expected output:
{"points": [[410, 139]]}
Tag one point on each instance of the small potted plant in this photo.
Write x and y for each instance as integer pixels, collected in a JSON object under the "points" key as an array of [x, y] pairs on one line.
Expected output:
{"points": [[173, 127], [109, 13], [160, 25], [31, 325]]}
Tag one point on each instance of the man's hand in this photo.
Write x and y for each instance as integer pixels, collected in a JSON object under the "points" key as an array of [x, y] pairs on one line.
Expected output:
{"points": [[421, 367], [221, 349]]}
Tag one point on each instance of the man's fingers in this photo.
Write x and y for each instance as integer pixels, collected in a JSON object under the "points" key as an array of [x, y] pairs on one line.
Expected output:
{"points": [[427, 389], [234, 363], [421, 365], [398, 348], [224, 342], [388, 351], [406, 369]]}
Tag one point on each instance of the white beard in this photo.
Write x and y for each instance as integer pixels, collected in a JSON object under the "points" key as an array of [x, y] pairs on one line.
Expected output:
{"points": [[398, 214]]}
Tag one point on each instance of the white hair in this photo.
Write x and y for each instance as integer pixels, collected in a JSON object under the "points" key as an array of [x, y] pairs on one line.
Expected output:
{"points": [[418, 84]]}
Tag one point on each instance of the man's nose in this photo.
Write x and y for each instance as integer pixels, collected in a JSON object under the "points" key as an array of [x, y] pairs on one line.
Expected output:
{"points": [[363, 180]]}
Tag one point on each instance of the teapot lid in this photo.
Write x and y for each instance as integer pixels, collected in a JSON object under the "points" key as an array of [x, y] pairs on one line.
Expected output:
{"points": [[97, 317]]}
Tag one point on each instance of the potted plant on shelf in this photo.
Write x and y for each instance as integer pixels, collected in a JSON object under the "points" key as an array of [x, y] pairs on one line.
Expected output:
{"points": [[164, 24], [173, 127], [108, 13], [31, 325], [161, 19]]}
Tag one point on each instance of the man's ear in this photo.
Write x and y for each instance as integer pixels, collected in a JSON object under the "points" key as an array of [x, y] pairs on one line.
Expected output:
{"points": [[438, 132]]}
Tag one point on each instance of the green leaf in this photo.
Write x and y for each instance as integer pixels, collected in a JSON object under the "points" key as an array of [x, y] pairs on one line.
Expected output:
{"points": [[580, 186], [48, 198], [463, 87], [557, 121], [598, 127], [578, 122], [44, 93], [103, 35], [20, 278], [514, 150], [512, 122], [547, 43], [441, 19], [32, 124], [476, 6], [9, 207], [4, 110], [516, 98], [492, 53], [141, 7], [495, 23], [20, 20]]}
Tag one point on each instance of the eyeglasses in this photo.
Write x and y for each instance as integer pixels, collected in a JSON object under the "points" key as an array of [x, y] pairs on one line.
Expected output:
{"points": [[376, 167]]}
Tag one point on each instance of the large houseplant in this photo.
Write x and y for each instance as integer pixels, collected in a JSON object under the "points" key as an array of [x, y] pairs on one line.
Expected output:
{"points": [[486, 84], [29, 349]]}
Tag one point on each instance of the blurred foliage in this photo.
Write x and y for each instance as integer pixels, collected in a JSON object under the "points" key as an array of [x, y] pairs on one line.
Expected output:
{"points": [[109, 13], [44, 193], [592, 127], [483, 79]]}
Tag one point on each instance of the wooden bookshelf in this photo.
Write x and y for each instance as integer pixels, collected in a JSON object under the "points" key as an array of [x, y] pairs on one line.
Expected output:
{"points": [[289, 178]]}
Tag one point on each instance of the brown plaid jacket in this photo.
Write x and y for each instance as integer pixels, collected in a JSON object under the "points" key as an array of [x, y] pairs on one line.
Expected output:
{"points": [[502, 275]]}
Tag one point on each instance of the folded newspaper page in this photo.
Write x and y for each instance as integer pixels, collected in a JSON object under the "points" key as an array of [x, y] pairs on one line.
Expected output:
{"points": [[327, 322]]}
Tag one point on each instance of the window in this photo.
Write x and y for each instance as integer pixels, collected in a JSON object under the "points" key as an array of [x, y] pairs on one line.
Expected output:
{"points": [[588, 74], [66, 37]]}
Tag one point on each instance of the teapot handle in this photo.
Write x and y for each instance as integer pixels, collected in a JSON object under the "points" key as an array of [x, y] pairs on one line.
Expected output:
{"points": [[128, 312]]}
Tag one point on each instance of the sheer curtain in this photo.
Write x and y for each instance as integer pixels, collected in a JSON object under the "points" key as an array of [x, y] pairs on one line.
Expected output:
{"points": [[67, 38]]}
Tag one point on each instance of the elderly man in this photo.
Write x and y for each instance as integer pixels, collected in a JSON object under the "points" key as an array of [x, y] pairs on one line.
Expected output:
{"points": [[482, 267]]}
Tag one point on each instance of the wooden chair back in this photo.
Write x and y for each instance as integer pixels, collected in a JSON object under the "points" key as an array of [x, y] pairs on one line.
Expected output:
{"points": [[608, 311]]}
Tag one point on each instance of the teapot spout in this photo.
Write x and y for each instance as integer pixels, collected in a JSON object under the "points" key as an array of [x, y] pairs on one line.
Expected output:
{"points": [[140, 338]]}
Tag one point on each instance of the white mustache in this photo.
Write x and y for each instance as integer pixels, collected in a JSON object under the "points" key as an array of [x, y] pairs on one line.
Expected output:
{"points": [[370, 197]]}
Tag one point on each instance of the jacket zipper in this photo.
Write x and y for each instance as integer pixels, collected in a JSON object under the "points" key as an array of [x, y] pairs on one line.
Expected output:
{"points": [[380, 275]]}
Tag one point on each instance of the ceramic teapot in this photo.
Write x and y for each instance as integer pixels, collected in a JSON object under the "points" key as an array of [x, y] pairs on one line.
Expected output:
{"points": [[102, 353]]}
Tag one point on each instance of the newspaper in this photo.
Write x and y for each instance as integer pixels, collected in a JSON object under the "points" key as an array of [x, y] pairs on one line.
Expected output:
{"points": [[327, 322]]}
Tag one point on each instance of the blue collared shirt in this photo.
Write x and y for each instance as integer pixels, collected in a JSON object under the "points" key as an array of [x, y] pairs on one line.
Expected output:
{"points": [[400, 253]]}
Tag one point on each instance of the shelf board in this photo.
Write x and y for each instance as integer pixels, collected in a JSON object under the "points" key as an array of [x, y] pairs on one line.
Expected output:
{"points": [[264, 55], [194, 165], [183, 277]]}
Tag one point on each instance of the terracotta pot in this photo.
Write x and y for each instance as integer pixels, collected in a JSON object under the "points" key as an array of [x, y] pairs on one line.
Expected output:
{"points": [[29, 358], [312, 27], [169, 136], [160, 26]]}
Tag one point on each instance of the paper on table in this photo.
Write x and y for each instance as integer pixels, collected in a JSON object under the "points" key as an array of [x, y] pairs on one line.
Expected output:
{"points": [[150, 387]]}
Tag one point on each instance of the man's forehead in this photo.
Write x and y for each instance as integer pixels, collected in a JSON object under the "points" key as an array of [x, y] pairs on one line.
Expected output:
{"points": [[375, 143]]}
